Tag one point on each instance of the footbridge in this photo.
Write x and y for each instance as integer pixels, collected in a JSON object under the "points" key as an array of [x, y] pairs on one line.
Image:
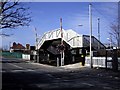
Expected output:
{"points": [[71, 37], [74, 43]]}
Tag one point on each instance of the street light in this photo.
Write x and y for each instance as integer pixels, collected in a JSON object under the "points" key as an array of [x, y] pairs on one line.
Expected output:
{"points": [[80, 25], [110, 42], [98, 32], [90, 23]]}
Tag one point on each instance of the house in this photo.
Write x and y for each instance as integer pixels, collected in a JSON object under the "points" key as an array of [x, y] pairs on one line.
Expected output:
{"points": [[17, 47], [28, 52]]}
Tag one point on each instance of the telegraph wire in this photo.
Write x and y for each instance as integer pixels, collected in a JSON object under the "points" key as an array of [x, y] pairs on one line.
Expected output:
{"points": [[102, 14]]}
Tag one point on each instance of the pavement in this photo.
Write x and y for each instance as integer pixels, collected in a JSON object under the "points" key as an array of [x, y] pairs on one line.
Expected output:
{"points": [[74, 66], [33, 76]]}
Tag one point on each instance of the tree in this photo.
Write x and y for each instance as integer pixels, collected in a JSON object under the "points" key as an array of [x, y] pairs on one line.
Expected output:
{"points": [[115, 32], [115, 28], [13, 14]]}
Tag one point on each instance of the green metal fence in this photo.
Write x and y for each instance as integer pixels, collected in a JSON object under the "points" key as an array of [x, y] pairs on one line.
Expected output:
{"points": [[8, 54]]}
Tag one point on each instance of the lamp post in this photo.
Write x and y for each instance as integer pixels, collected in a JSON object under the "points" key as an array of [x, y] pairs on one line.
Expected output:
{"points": [[80, 25], [98, 32], [90, 25], [110, 42]]}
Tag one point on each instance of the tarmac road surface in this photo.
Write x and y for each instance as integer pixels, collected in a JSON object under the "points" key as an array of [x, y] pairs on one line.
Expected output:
{"points": [[24, 75]]}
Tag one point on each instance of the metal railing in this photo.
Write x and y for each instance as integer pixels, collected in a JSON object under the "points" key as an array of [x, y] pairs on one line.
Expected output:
{"points": [[100, 62], [49, 36], [55, 34], [70, 37]]}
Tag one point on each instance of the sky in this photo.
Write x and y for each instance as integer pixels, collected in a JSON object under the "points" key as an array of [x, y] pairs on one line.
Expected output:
{"points": [[46, 17]]}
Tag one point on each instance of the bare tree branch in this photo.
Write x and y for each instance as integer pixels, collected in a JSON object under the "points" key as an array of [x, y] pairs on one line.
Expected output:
{"points": [[115, 32], [9, 7], [14, 14]]}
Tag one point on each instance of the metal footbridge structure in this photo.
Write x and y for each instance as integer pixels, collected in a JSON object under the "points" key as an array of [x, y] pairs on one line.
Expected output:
{"points": [[48, 44], [71, 37]]}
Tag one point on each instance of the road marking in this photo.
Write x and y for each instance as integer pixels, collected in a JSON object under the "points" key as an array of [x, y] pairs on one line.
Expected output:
{"points": [[50, 75], [15, 66], [91, 85], [107, 88], [28, 70], [2, 71]]}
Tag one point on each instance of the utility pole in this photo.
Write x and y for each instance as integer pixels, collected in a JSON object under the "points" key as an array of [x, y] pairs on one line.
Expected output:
{"points": [[99, 33], [62, 51], [90, 25]]}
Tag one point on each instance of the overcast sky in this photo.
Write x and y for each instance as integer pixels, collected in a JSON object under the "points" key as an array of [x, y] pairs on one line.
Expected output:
{"points": [[46, 16]]}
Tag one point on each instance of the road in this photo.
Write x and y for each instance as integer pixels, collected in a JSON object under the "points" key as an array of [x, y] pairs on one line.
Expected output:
{"points": [[24, 75]]}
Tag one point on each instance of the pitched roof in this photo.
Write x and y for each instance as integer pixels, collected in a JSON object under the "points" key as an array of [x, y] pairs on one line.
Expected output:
{"points": [[18, 46]]}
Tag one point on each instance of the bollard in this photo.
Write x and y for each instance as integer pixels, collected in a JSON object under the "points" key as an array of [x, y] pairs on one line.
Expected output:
{"points": [[57, 62]]}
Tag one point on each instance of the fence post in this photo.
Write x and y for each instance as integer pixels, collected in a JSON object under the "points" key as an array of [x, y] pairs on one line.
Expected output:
{"points": [[106, 60], [114, 60]]}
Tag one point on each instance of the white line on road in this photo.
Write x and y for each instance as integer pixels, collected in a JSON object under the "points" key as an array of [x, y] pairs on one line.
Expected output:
{"points": [[88, 84], [1, 71], [28, 70], [15, 66]]}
